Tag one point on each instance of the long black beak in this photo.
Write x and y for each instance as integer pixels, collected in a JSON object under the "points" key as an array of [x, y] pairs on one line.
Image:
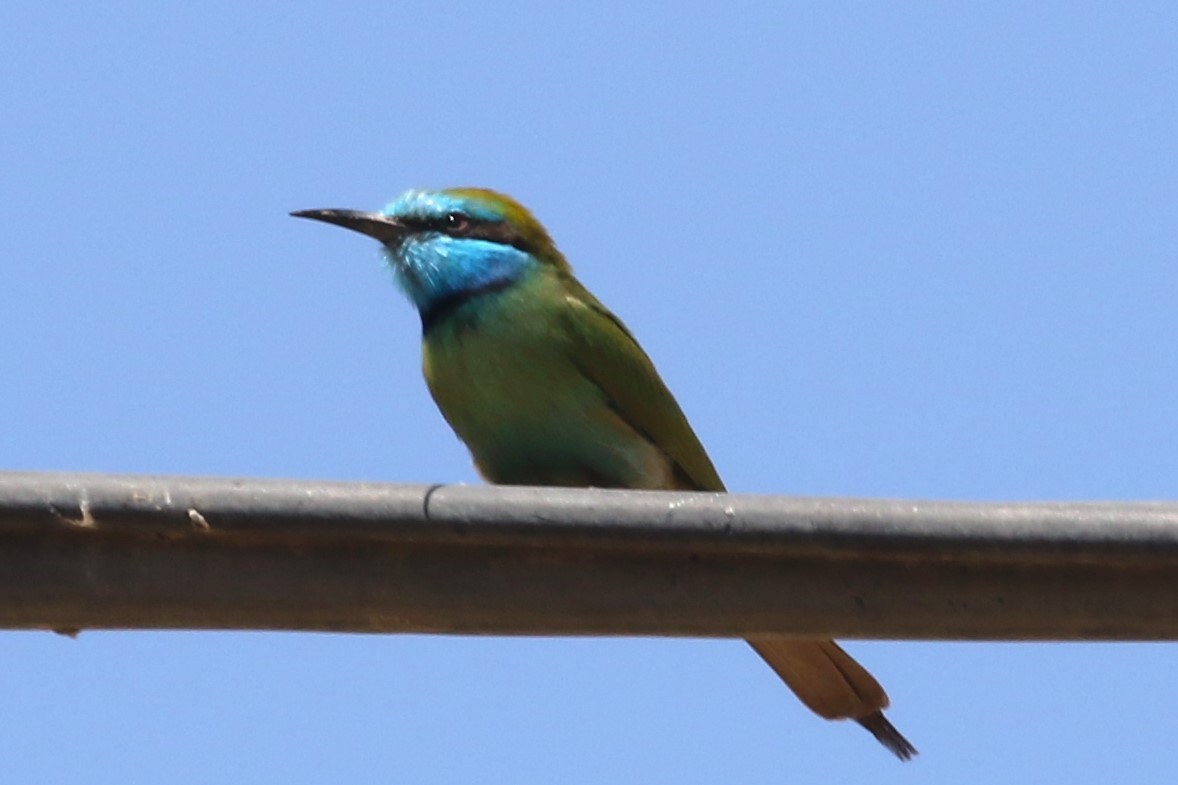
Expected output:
{"points": [[387, 230]]}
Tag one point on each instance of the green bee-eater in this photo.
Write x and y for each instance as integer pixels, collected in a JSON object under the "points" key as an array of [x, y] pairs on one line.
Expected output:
{"points": [[547, 387]]}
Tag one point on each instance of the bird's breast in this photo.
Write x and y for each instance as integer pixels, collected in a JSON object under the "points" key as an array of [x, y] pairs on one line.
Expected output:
{"points": [[503, 377]]}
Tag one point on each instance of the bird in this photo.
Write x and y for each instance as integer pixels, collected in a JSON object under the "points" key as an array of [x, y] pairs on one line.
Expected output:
{"points": [[546, 386]]}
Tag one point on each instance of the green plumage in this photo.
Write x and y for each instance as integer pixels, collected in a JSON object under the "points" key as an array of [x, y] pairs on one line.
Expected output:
{"points": [[546, 387]]}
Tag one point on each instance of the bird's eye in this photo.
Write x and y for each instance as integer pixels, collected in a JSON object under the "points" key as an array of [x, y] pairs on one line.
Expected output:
{"points": [[456, 222]]}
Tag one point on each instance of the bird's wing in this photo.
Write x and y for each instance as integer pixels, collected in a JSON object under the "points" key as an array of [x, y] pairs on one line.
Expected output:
{"points": [[607, 354], [825, 677]]}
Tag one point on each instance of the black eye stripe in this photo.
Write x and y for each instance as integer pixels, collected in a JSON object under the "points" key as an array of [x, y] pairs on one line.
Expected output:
{"points": [[455, 224], [494, 231]]}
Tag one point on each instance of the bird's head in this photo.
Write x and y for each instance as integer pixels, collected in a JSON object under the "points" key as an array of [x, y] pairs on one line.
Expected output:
{"points": [[449, 243]]}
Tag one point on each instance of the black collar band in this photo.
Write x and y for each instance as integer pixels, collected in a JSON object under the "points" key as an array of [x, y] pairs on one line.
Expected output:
{"points": [[439, 310]]}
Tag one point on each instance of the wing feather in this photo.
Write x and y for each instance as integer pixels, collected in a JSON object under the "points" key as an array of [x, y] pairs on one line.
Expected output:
{"points": [[607, 354]]}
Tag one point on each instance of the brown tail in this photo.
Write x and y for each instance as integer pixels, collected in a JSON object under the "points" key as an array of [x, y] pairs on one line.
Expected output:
{"points": [[833, 685]]}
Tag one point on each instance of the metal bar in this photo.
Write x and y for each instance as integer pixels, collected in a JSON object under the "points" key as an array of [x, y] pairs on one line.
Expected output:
{"points": [[95, 551]]}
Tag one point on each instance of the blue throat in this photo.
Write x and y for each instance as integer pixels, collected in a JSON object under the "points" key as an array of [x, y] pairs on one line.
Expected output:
{"points": [[439, 273]]}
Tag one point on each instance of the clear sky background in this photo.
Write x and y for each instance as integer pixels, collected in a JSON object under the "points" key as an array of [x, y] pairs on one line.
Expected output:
{"points": [[920, 250]]}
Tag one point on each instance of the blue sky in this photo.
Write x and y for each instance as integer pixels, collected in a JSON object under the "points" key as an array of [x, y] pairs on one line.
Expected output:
{"points": [[920, 250]]}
